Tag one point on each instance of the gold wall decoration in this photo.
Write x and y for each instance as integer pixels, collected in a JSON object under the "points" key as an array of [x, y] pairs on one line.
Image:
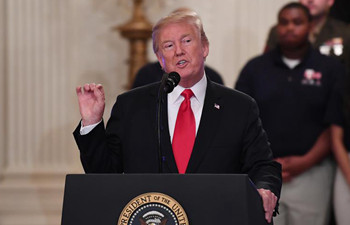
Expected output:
{"points": [[138, 30]]}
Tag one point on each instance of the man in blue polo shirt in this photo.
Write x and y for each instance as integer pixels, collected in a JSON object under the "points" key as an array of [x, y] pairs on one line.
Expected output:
{"points": [[292, 85]]}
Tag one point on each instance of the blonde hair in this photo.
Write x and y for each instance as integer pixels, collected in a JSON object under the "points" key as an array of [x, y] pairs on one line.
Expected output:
{"points": [[179, 15]]}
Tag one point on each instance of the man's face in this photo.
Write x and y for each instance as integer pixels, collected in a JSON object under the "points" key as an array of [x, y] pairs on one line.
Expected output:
{"points": [[293, 28], [181, 50], [318, 7]]}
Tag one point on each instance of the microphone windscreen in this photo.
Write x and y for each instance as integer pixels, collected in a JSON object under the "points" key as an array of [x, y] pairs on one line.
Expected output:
{"points": [[172, 81], [175, 77]]}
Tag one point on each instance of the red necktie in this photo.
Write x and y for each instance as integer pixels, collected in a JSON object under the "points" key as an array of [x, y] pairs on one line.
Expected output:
{"points": [[184, 133]]}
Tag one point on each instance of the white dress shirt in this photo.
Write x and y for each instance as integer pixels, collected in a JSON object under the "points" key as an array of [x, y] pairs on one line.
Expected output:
{"points": [[197, 101]]}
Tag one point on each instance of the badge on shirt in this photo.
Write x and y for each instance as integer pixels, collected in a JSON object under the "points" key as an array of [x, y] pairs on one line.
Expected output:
{"points": [[312, 77], [334, 45]]}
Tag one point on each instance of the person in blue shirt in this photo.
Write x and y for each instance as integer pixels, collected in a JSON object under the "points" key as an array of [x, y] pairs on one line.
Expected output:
{"points": [[292, 85]]}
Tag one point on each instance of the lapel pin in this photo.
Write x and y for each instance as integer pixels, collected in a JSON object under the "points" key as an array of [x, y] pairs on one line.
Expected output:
{"points": [[216, 106]]}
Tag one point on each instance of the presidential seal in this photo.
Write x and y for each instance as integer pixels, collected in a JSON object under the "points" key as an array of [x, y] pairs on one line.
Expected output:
{"points": [[153, 209]]}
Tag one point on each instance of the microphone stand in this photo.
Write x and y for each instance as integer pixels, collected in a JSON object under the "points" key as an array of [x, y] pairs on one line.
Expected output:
{"points": [[160, 102]]}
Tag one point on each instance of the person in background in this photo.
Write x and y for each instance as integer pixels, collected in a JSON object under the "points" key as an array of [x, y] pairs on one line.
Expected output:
{"points": [[206, 127], [293, 85], [152, 72], [330, 36], [340, 136]]}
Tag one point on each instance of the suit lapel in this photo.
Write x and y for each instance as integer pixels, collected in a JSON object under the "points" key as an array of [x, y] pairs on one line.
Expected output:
{"points": [[208, 125]]}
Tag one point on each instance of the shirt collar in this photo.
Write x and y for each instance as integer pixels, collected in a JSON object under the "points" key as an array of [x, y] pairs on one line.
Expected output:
{"points": [[198, 90], [277, 56]]}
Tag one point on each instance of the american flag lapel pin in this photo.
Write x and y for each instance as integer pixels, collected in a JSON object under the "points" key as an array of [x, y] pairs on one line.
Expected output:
{"points": [[216, 106]]}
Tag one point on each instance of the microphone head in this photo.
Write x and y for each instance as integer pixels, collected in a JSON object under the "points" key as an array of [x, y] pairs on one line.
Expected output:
{"points": [[172, 81], [175, 77]]}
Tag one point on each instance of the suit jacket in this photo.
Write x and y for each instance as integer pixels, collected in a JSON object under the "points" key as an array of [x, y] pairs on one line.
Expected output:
{"points": [[230, 138]]}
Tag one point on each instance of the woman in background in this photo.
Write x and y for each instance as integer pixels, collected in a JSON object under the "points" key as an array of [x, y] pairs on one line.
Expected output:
{"points": [[340, 134]]}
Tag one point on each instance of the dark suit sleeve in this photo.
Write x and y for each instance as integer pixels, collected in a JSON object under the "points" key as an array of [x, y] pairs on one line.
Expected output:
{"points": [[245, 80], [257, 156], [150, 73], [213, 75], [272, 39], [98, 155]]}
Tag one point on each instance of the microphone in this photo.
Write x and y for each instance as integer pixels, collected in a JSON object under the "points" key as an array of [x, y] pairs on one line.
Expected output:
{"points": [[171, 82], [167, 85]]}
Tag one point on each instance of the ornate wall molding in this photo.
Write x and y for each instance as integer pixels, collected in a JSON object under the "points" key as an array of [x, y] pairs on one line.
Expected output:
{"points": [[37, 153], [2, 85]]}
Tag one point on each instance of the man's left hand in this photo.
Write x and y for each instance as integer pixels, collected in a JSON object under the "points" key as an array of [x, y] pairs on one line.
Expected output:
{"points": [[269, 203]]}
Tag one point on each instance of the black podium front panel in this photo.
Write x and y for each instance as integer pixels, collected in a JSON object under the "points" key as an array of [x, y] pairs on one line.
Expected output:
{"points": [[206, 199]]}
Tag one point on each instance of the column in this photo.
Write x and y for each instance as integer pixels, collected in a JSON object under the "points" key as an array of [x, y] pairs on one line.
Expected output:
{"points": [[37, 146]]}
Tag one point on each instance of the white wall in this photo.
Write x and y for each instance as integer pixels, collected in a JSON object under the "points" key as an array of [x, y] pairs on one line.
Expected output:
{"points": [[2, 87]]}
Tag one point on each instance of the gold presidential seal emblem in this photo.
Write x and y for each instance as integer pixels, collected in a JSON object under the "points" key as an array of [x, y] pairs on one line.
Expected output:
{"points": [[153, 209]]}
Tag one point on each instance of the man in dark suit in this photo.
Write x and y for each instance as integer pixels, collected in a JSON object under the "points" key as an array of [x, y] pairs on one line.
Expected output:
{"points": [[214, 130]]}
